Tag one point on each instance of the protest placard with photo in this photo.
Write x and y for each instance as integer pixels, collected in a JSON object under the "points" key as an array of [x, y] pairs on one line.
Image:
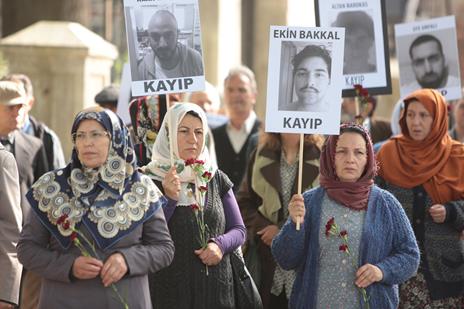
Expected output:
{"points": [[164, 42], [428, 56], [304, 80], [366, 60]]}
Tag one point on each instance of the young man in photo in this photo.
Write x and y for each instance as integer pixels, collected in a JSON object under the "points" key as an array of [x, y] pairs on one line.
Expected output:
{"points": [[311, 79]]}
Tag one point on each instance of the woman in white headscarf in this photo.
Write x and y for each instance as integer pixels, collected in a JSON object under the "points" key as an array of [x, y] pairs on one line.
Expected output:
{"points": [[203, 216]]}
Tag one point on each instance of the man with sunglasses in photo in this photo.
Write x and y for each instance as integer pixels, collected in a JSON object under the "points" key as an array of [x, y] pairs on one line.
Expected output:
{"points": [[168, 58]]}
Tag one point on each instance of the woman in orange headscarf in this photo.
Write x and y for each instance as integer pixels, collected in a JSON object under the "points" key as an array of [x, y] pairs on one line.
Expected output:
{"points": [[424, 169]]}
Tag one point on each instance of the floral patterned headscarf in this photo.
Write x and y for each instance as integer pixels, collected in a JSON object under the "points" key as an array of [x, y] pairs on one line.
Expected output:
{"points": [[110, 200]]}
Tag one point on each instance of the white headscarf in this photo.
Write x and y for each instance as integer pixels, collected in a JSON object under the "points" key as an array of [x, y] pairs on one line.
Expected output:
{"points": [[161, 160]]}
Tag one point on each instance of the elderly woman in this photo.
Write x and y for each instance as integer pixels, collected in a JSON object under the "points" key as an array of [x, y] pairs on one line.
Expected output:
{"points": [[270, 182], [202, 213], [97, 225], [424, 169], [355, 244]]}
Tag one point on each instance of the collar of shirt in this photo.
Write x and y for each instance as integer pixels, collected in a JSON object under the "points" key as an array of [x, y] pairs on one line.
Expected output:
{"points": [[8, 139], [246, 127], [238, 137], [27, 127]]}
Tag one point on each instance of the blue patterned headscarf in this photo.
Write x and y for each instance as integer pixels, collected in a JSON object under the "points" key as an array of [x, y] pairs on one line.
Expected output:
{"points": [[111, 200]]}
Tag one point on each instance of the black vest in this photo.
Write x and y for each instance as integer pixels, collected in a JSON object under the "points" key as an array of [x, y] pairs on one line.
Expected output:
{"points": [[230, 162]]}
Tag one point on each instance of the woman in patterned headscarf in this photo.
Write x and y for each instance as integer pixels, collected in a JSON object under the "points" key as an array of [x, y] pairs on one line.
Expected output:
{"points": [[203, 216], [424, 169], [355, 244], [115, 212]]}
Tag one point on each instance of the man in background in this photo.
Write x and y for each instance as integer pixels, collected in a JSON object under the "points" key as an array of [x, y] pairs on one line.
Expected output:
{"points": [[10, 228], [210, 101], [168, 57], [108, 98], [32, 163], [233, 137], [30, 125]]}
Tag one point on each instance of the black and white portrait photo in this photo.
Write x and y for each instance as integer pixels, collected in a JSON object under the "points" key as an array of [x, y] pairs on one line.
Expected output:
{"points": [[359, 41], [304, 77], [428, 56], [305, 80], [164, 44], [366, 56]]}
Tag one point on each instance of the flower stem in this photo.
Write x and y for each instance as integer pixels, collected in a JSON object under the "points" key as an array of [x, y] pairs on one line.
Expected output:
{"points": [[121, 299]]}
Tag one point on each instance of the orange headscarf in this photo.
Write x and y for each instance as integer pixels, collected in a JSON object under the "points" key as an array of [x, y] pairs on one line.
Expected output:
{"points": [[437, 162]]}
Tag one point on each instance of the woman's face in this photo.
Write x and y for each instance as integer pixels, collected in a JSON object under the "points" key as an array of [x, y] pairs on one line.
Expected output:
{"points": [[350, 157], [418, 120], [190, 137], [92, 143]]}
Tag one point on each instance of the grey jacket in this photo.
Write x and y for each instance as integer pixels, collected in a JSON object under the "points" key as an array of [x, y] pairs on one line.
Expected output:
{"points": [[10, 227], [148, 248]]}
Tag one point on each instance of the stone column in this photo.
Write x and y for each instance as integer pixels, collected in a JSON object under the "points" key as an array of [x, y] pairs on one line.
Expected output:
{"points": [[221, 36], [67, 63]]}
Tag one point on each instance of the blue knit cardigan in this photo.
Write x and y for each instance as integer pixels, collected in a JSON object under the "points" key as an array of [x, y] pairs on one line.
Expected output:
{"points": [[387, 241]]}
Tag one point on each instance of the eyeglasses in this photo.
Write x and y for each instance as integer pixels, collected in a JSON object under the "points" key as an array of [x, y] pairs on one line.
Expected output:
{"points": [[79, 137], [167, 35]]}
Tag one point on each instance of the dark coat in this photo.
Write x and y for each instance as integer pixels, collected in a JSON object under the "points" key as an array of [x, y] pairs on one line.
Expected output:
{"points": [[32, 163]]}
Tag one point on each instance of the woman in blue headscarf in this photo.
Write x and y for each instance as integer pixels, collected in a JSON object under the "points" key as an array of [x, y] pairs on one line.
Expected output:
{"points": [[98, 205]]}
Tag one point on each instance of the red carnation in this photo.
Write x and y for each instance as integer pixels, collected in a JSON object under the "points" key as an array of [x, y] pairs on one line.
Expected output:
{"points": [[343, 248], [358, 87], [331, 221], [203, 188], [66, 225], [62, 219], [194, 207], [200, 162], [329, 225], [206, 175], [343, 233], [73, 236], [189, 162], [364, 93]]}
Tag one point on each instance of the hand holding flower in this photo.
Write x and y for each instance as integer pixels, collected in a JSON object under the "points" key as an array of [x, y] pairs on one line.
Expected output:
{"points": [[171, 184], [296, 208], [368, 274], [86, 267], [268, 233], [211, 255], [438, 213], [114, 269]]}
